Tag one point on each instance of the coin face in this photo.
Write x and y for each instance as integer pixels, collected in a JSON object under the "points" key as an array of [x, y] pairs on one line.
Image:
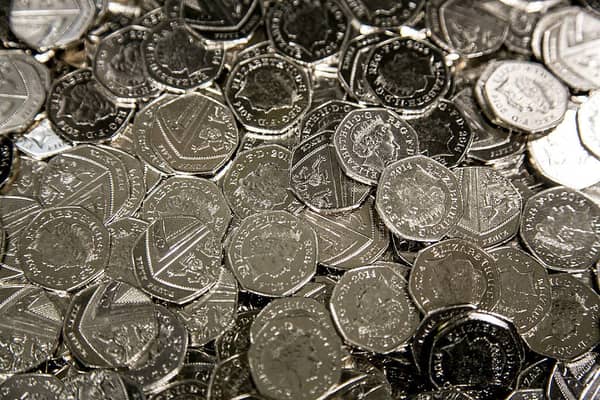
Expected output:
{"points": [[419, 199], [178, 59], [575, 378], [236, 339], [181, 390], [204, 16], [268, 94], [588, 124], [325, 117], [231, 379], [570, 329], [407, 74], [385, 14], [370, 139], [273, 253], [559, 226], [33, 325], [373, 310], [123, 236], [41, 141], [81, 113], [109, 384], [28, 385], [454, 272]]}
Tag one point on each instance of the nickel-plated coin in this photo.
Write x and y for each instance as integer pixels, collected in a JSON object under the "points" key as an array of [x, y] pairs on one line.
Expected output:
{"points": [[373, 310], [560, 227], [259, 180], [454, 272], [325, 117], [32, 385], [181, 390], [268, 94], [231, 379], [7, 156], [123, 236], [535, 376], [273, 253], [385, 14], [576, 379], [419, 199], [548, 20], [42, 141], [236, 339], [588, 124], [368, 140], [104, 383], [318, 179]]}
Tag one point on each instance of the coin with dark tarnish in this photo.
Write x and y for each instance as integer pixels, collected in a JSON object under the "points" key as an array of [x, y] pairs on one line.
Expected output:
{"points": [[588, 124], [30, 330], [454, 272], [273, 253], [385, 14], [34, 386], [373, 310], [7, 155], [119, 67], [295, 358], [259, 180], [325, 117], [408, 75], [419, 199], [178, 59], [561, 227], [570, 329], [110, 325], [102, 384], [307, 31], [476, 350], [81, 113], [525, 291], [317, 178], [268, 94], [177, 259], [368, 140]]}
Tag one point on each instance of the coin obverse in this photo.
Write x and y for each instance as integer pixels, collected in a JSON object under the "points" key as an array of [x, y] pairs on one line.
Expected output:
{"points": [[26, 386]]}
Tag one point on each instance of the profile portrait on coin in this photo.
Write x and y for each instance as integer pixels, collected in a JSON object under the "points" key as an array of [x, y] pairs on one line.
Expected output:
{"points": [[374, 143]]}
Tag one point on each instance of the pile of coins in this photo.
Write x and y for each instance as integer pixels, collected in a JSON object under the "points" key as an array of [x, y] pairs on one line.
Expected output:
{"points": [[300, 200]]}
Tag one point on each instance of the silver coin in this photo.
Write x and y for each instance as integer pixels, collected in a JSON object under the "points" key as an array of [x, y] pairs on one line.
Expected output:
{"points": [[63, 248], [119, 67], [318, 180], [44, 25], [177, 259], [196, 197], [570, 329], [178, 59], [41, 69], [42, 141], [578, 379], [546, 21], [359, 87], [558, 226], [137, 182], [211, 315], [295, 358], [349, 240], [454, 272], [535, 376], [419, 199], [525, 291], [123, 236], [273, 253], [258, 180], [31, 329], [268, 94], [588, 124], [524, 96], [102, 384], [560, 156], [368, 140], [373, 310], [532, 5], [181, 390], [42, 386], [325, 117], [236, 339], [521, 26], [385, 14], [231, 379]]}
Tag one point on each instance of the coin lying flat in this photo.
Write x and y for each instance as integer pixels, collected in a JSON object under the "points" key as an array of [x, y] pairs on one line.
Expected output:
{"points": [[325, 117], [373, 310], [419, 199], [105, 383], [123, 236], [26, 386]]}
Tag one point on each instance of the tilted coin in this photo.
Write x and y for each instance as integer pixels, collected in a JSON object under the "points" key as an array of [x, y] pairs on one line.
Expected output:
{"points": [[578, 379], [44, 25], [548, 20], [560, 228], [42, 386], [273, 253], [570, 329], [31, 328], [7, 156], [198, 365], [123, 236], [63, 248], [180, 390], [182, 195], [454, 272], [561, 158], [524, 96], [231, 379], [532, 5], [368, 140], [407, 74], [406, 250], [318, 179], [178, 59], [41, 141], [102, 383], [295, 358], [307, 31], [373, 310], [588, 124], [177, 258], [465, 27], [119, 68], [209, 316], [592, 5], [81, 113], [359, 87], [41, 68], [419, 199], [258, 180], [444, 133], [443, 394], [535, 376], [325, 117], [268, 94], [476, 350], [521, 25], [137, 182], [236, 339], [525, 291], [385, 14], [193, 134], [492, 207], [351, 239]]}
